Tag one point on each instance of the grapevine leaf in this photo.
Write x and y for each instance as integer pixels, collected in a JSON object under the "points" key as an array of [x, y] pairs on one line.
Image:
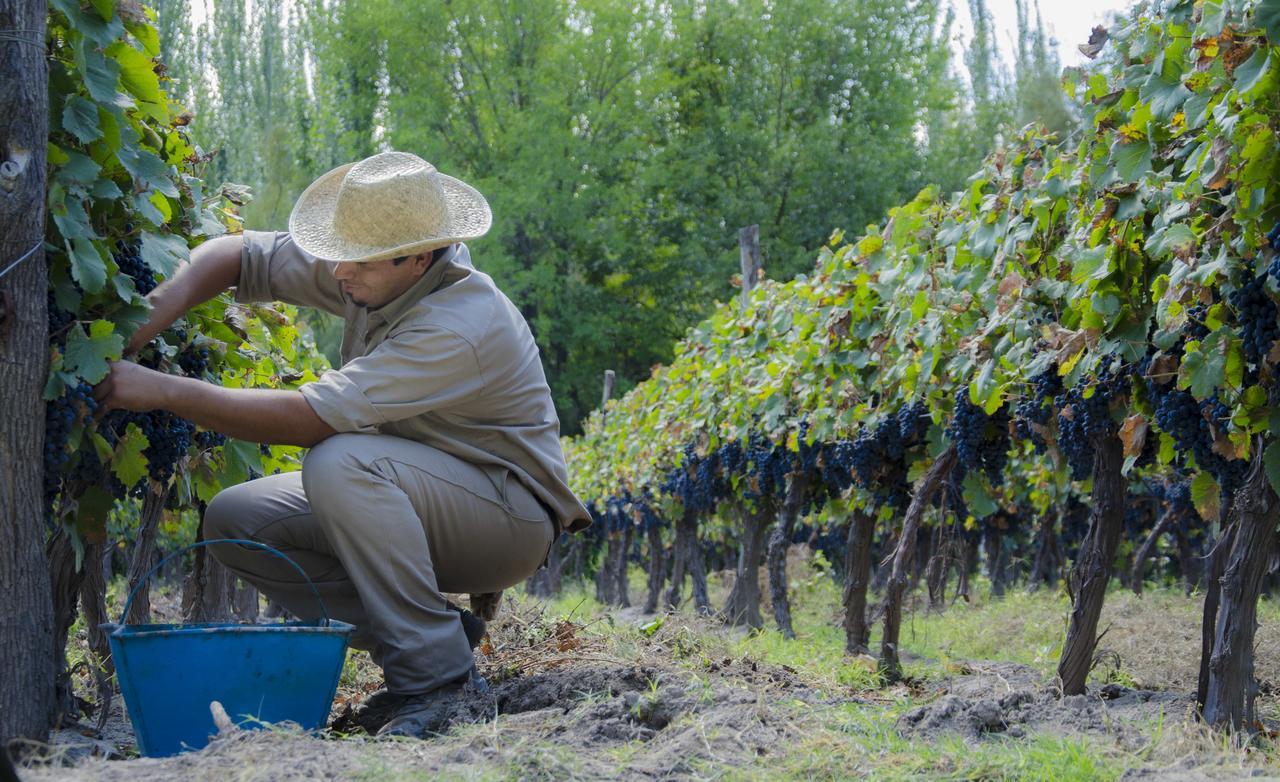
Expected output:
{"points": [[79, 169], [91, 26], [80, 118], [147, 169], [128, 462], [1267, 16], [147, 35], [101, 76], [1204, 495], [1133, 433], [1271, 462], [1164, 91], [87, 354], [148, 209], [106, 190], [73, 223], [105, 8], [977, 497], [137, 74], [88, 267], [1251, 71], [240, 458], [164, 253], [1132, 159], [92, 509]]}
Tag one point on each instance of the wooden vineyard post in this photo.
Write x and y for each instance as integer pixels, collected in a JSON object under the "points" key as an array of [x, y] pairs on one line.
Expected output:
{"points": [[26, 605], [749, 259], [609, 378]]}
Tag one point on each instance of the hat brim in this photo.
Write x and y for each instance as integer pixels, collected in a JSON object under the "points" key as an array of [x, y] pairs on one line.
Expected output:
{"points": [[311, 222]]}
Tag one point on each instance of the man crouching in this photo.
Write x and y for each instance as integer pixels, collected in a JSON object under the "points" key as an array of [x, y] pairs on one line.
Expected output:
{"points": [[435, 462]]}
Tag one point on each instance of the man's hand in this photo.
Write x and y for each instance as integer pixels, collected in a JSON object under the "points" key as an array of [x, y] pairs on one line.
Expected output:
{"points": [[128, 386]]}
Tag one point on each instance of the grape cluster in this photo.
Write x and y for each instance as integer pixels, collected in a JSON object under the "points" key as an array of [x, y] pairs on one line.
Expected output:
{"points": [[1256, 312], [1037, 408], [694, 481], [981, 440], [1192, 425], [129, 258], [59, 319], [1273, 241], [649, 518], [1082, 419], [168, 439], [205, 440], [60, 416], [1196, 328], [194, 361]]}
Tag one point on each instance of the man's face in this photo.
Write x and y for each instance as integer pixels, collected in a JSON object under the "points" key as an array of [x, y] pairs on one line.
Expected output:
{"points": [[375, 283]]}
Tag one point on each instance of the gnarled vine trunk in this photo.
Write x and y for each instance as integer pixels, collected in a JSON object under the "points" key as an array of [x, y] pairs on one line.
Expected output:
{"points": [[27, 630], [143, 559], [1092, 568], [902, 560], [657, 568], [1143, 553], [968, 564], [686, 558], [1212, 600], [206, 594], [1048, 561], [1232, 687], [993, 542], [620, 592], [743, 604], [939, 567], [857, 576], [779, 542], [65, 576]]}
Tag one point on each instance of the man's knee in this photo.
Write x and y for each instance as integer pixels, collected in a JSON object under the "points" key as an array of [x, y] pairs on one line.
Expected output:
{"points": [[329, 468], [227, 512]]}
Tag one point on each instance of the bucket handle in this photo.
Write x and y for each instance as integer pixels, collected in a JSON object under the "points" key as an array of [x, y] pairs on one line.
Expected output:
{"points": [[124, 615]]}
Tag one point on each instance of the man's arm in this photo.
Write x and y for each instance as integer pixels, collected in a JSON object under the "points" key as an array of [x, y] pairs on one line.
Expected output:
{"points": [[257, 415], [214, 267]]}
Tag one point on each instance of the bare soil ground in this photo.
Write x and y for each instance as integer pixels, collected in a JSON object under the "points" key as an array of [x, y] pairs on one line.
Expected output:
{"points": [[620, 696]]}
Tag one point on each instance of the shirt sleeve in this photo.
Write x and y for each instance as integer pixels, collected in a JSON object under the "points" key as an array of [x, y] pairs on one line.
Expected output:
{"points": [[273, 268], [410, 373]]}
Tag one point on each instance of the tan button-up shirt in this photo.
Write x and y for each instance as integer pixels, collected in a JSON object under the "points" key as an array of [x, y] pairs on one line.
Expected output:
{"points": [[450, 363]]}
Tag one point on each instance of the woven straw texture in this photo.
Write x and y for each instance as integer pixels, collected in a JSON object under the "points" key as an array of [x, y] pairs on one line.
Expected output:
{"points": [[385, 206]]}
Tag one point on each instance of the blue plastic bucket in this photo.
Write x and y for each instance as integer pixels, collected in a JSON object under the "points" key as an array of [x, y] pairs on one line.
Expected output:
{"points": [[261, 674]]}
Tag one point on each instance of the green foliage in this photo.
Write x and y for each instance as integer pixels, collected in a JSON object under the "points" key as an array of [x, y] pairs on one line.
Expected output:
{"points": [[126, 201], [1084, 258], [621, 146]]}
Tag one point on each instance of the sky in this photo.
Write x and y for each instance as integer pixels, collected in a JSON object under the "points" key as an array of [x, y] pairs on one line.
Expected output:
{"points": [[1067, 21]]}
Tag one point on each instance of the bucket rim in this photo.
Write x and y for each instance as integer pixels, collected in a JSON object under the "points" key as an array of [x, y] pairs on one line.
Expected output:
{"points": [[315, 627]]}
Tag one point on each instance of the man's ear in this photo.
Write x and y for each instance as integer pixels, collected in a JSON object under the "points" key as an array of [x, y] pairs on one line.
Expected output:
{"points": [[421, 262]]}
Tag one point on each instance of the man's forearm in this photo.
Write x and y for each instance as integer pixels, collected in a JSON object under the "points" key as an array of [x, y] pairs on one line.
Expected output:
{"points": [[257, 415]]}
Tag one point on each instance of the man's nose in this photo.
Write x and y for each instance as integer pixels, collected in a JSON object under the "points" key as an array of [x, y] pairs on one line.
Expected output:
{"points": [[344, 270]]}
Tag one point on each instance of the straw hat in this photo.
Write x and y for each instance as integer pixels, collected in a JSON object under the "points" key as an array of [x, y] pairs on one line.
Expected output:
{"points": [[386, 206]]}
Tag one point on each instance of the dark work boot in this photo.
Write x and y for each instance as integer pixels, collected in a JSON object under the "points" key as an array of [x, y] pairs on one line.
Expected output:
{"points": [[472, 625], [431, 712]]}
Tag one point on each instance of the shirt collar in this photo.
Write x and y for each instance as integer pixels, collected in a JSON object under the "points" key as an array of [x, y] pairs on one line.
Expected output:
{"points": [[428, 283]]}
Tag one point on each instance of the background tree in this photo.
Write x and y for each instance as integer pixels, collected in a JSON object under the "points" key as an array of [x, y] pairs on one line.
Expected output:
{"points": [[26, 611], [621, 147]]}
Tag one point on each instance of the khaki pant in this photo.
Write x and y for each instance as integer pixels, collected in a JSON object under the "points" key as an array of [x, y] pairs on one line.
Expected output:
{"points": [[383, 526]]}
